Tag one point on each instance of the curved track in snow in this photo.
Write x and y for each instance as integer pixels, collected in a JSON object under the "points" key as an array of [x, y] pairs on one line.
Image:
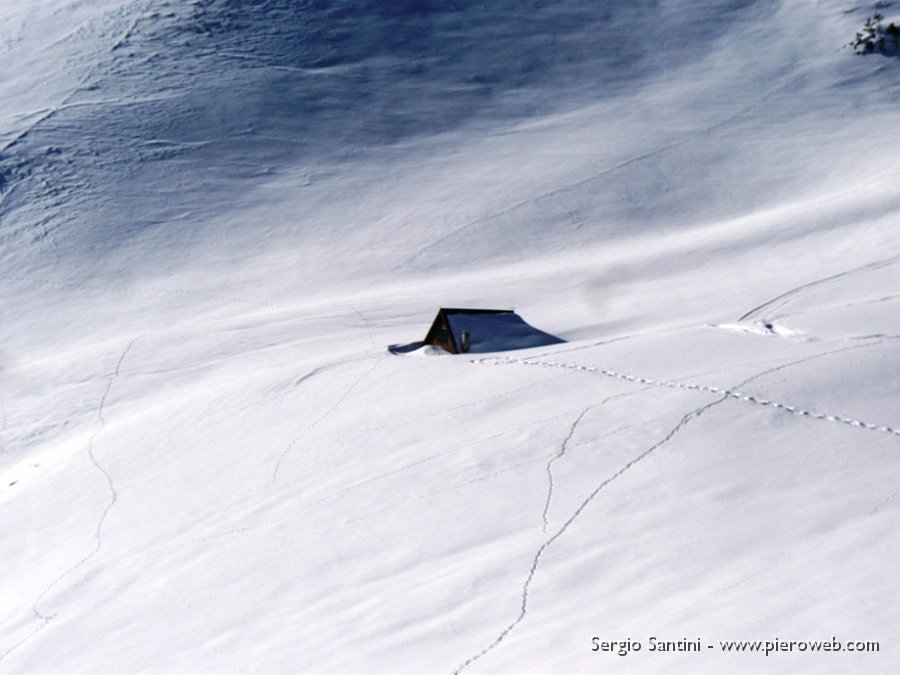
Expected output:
{"points": [[724, 394], [42, 615], [729, 393]]}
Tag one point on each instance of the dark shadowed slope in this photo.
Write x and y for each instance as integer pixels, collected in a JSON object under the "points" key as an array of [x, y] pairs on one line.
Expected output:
{"points": [[221, 94]]}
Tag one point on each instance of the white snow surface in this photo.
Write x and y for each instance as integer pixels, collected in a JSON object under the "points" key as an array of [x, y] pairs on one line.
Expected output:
{"points": [[215, 216]]}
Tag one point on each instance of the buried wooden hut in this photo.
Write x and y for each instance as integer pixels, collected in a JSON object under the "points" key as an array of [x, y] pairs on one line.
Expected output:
{"points": [[459, 331]]}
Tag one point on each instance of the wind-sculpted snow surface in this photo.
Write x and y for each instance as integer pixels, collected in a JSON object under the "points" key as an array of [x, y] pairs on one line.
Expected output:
{"points": [[221, 90], [222, 96], [701, 204]]}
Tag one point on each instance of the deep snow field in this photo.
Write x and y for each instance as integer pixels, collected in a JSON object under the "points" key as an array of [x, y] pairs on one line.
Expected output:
{"points": [[216, 215]]}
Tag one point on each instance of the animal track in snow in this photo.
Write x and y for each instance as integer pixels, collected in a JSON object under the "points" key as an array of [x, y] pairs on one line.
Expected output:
{"points": [[723, 395], [558, 455], [320, 418], [729, 393], [536, 561]]}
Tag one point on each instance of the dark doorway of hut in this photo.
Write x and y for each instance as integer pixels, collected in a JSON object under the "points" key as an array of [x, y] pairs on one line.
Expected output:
{"points": [[459, 330]]}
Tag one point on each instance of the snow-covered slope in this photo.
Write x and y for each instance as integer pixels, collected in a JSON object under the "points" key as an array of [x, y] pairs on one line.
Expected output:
{"points": [[214, 218]]}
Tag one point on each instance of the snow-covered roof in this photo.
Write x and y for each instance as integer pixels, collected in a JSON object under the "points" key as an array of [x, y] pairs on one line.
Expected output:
{"points": [[495, 330]]}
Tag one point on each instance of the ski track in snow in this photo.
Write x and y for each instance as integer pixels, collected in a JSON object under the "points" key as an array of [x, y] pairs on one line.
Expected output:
{"points": [[724, 395], [523, 611], [558, 455], [735, 394], [847, 305], [45, 619], [784, 298], [564, 446]]}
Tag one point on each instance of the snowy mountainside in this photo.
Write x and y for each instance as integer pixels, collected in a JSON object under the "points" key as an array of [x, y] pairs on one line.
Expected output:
{"points": [[215, 216]]}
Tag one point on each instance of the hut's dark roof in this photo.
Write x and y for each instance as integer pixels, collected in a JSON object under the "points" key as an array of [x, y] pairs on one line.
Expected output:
{"points": [[494, 330]]}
